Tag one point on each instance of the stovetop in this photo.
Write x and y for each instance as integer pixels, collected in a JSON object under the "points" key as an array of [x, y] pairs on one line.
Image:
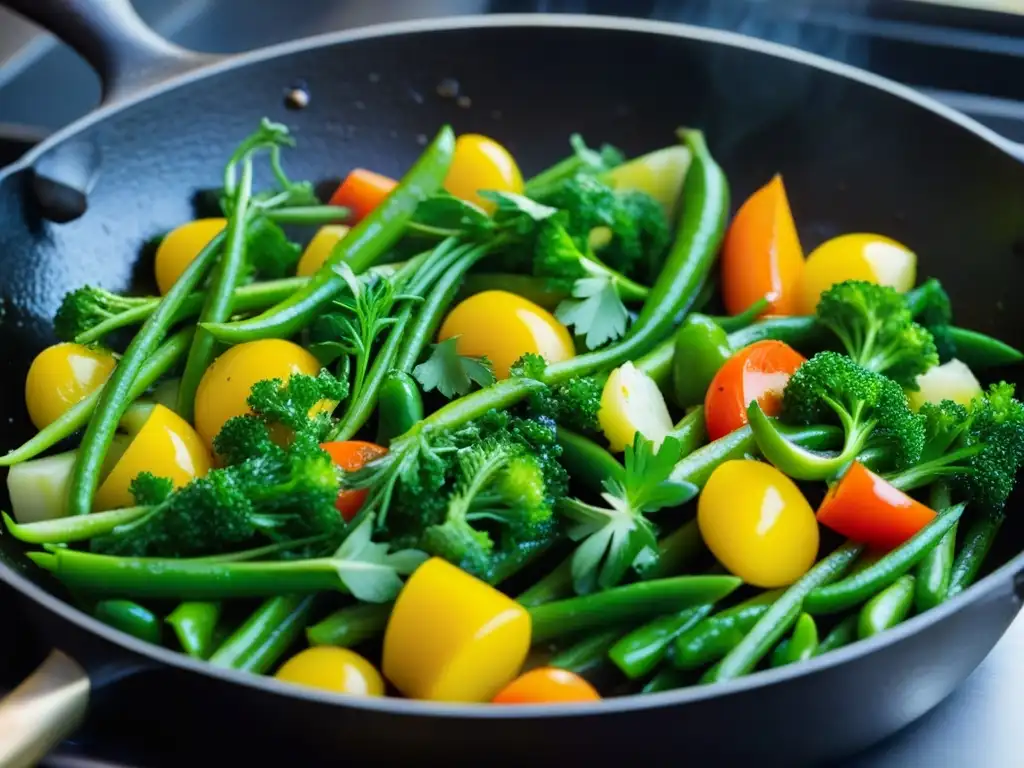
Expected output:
{"points": [[971, 59]]}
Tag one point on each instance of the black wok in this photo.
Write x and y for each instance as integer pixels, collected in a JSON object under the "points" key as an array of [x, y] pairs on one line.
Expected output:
{"points": [[857, 152]]}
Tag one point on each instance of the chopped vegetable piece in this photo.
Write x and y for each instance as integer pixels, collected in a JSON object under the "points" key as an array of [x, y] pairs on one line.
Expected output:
{"points": [[481, 163], [631, 405], [660, 174], [800, 646], [362, 191], [470, 655], [864, 507], [547, 685], [62, 375], [337, 670], [952, 380], [758, 373], [757, 523], [352, 455], [700, 350], [180, 246], [319, 249], [872, 258], [886, 609], [762, 256]]}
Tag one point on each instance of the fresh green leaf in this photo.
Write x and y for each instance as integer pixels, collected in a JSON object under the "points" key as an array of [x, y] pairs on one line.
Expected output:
{"points": [[451, 373], [366, 568], [595, 311], [613, 537], [649, 483], [269, 251], [443, 212]]}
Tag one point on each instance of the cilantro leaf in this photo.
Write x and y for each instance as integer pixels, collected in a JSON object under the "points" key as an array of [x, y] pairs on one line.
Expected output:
{"points": [[443, 213], [270, 254], [649, 483], [595, 311], [451, 373], [366, 568]]}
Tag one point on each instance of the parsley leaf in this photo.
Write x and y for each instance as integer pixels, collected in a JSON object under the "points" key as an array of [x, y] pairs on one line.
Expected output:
{"points": [[615, 537], [447, 215], [595, 311], [451, 373]]}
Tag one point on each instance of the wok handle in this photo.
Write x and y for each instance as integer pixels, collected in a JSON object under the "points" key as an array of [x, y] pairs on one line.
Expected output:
{"points": [[38, 714], [126, 54]]}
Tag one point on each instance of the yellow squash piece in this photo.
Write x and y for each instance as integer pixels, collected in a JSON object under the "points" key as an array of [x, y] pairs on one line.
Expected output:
{"points": [[452, 637], [337, 670], [860, 256], [949, 381], [180, 246], [319, 248], [631, 402], [166, 446], [481, 163], [659, 174], [503, 327], [757, 523], [224, 389], [62, 375]]}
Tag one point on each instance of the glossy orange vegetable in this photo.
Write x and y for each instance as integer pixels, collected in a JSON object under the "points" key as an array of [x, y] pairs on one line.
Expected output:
{"points": [[547, 685], [756, 372], [757, 523], [761, 255], [866, 508], [352, 455], [362, 191]]}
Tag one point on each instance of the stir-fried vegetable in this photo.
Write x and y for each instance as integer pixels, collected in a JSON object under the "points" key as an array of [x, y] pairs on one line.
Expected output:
{"points": [[514, 437]]}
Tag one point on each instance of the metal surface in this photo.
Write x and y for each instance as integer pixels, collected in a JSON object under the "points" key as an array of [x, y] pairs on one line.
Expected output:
{"points": [[748, 97]]}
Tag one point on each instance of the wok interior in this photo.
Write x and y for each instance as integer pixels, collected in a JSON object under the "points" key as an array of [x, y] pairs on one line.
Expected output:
{"points": [[853, 158]]}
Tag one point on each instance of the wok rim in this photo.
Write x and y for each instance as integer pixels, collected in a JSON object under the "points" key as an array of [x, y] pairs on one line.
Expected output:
{"points": [[992, 586]]}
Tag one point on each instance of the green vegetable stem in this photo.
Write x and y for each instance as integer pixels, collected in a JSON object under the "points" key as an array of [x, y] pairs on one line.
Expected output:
{"points": [[364, 243], [886, 609], [349, 626], [731, 323], [194, 625], [73, 419], [855, 589], [770, 628], [259, 643], [131, 618], [634, 602]]}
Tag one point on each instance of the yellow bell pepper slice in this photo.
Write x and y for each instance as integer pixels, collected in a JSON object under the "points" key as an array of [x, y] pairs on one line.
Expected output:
{"points": [[452, 637]]}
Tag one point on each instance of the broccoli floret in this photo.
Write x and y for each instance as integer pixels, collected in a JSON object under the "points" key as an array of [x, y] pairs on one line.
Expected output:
{"points": [[979, 448], [573, 404], [148, 490], [498, 486], [875, 326], [636, 221], [83, 309], [933, 310], [831, 388], [269, 254]]}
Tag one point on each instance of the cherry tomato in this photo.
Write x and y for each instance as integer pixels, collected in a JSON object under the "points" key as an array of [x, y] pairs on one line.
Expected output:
{"points": [[503, 327], [761, 255], [757, 372], [352, 455], [864, 507], [481, 163], [757, 523], [547, 685], [859, 256], [62, 375], [338, 670]]}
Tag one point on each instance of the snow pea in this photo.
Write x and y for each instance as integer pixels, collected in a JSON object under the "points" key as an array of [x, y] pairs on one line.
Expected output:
{"points": [[131, 618], [364, 243], [639, 652], [266, 635], [399, 406], [886, 609], [979, 351], [936, 568], [977, 543], [715, 636], [194, 625], [701, 348], [800, 646]]}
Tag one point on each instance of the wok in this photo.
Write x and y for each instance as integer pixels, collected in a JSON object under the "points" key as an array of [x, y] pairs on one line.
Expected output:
{"points": [[857, 153]]}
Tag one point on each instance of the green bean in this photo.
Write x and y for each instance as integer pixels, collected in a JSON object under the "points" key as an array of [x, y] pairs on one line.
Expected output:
{"points": [[712, 638], [780, 617], [73, 419], [399, 406], [691, 432], [842, 634], [667, 679], [64, 530], [677, 552], [658, 365], [588, 463], [633, 602], [979, 351], [730, 323], [639, 652], [308, 215], [536, 289], [115, 394], [587, 654], [917, 298], [800, 646], [226, 275], [131, 618], [886, 609], [936, 568], [246, 298], [701, 348], [351, 625], [194, 625], [364, 243], [800, 332], [977, 543], [554, 586], [860, 587], [264, 637], [705, 209]]}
